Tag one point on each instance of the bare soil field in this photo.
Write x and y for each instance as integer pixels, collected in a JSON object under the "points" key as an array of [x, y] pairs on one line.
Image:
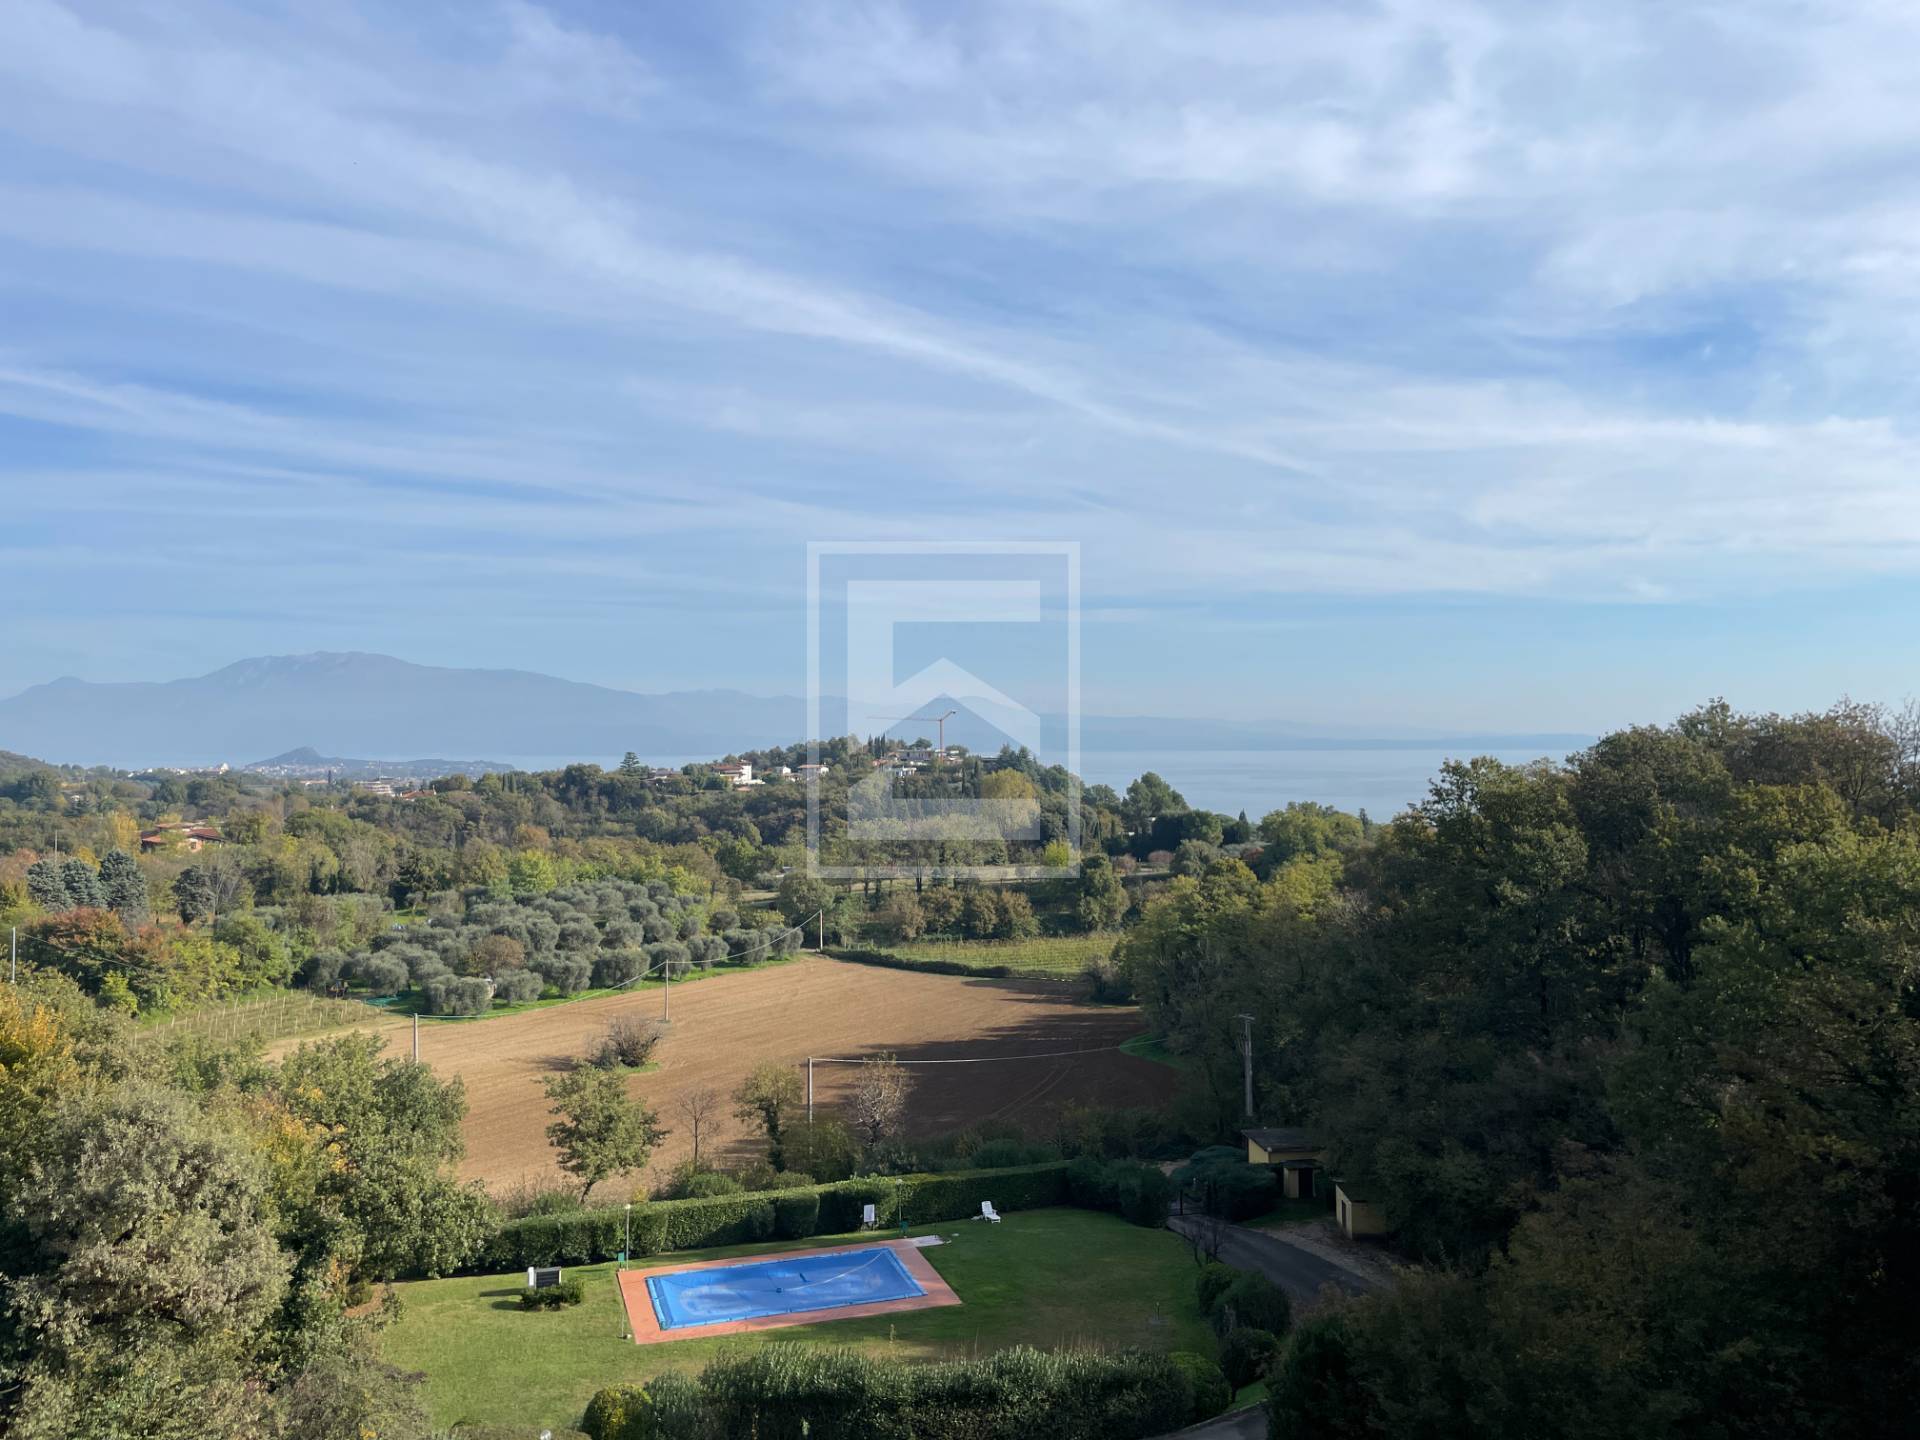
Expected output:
{"points": [[725, 1025]]}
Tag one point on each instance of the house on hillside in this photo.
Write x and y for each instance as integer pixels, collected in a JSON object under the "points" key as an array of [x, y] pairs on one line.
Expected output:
{"points": [[1296, 1155], [186, 837], [739, 776], [1358, 1218]]}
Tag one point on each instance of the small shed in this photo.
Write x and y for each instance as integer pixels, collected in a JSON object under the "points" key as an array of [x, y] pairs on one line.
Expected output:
{"points": [[1271, 1145], [1357, 1217]]}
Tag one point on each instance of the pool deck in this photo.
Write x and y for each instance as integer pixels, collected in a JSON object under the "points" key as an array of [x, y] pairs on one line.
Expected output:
{"points": [[647, 1329]]}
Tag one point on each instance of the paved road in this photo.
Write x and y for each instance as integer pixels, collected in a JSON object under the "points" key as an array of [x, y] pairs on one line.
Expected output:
{"points": [[1300, 1273], [1248, 1424]]}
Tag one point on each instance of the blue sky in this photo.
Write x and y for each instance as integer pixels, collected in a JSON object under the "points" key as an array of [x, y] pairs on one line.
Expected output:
{"points": [[1471, 365]]}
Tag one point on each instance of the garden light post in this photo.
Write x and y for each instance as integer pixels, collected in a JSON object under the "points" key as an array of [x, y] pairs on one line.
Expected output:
{"points": [[628, 1248]]}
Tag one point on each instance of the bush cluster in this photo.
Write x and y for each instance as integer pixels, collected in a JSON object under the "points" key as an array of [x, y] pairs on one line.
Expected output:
{"points": [[584, 1236], [787, 1391], [553, 1297], [1211, 1391], [1249, 1302], [888, 960], [1246, 1354], [1139, 1192]]}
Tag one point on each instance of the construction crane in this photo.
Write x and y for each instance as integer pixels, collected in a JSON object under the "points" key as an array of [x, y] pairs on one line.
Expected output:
{"points": [[940, 720]]}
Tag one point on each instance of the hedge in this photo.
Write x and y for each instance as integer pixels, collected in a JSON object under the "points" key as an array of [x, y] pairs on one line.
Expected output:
{"points": [[891, 961], [581, 1237], [785, 1392], [1245, 1355], [1139, 1192], [1212, 1392], [551, 1297]]}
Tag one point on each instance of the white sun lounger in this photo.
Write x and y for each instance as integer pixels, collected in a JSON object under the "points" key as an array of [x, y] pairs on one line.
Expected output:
{"points": [[869, 1217], [987, 1212]]}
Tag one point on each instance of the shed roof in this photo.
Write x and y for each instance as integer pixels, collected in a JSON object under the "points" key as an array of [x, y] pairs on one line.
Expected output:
{"points": [[1270, 1138]]}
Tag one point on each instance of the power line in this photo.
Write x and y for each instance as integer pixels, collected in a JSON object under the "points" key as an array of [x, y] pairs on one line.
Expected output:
{"points": [[967, 1060]]}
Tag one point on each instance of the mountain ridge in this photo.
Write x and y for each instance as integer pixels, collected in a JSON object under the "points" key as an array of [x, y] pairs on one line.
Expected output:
{"points": [[357, 703]]}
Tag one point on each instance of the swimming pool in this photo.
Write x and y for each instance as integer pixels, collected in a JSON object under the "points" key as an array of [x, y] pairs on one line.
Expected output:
{"points": [[785, 1285]]}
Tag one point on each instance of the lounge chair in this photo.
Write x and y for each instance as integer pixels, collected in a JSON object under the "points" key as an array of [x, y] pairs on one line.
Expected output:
{"points": [[987, 1212], [869, 1217]]}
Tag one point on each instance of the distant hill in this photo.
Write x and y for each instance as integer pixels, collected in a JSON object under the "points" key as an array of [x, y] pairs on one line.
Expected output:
{"points": [[308, 763], [361, 704], [348, 704]]}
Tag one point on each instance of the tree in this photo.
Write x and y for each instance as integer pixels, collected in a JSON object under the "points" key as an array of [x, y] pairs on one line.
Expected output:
{"points": [[192, 894], [124, 887], [628, 1041], [770, 1097], [82, 885], [493, 955], [48, 887], [630, 764], [1102, 900], [701, 1107], [144, 1248], [801, 897], [1147, 798], [879, 1100], [396, 1129], [601, 1130]]}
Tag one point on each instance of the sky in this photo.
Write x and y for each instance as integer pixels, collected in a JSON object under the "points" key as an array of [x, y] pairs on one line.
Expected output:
{"points": [[1489, 366]]}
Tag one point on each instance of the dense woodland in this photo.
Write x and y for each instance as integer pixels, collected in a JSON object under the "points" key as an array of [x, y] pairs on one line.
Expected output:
{"points": [[1628, 1050]]}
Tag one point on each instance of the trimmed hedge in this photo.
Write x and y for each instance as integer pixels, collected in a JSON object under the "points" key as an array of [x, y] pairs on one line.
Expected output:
{"points": [[1212, 1392], [1138, 1192], [582, 1237], [796, 1215], [890, 961], [785, 1392]]}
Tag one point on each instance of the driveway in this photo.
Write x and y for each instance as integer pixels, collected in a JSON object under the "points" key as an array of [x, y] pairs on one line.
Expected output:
{"points": [[1299, 1272], [1248, 1424]]}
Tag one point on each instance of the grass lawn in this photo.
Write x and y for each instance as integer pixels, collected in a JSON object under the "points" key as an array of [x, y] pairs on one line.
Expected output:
{"points": [[1043, 1277], [1054, 955]]}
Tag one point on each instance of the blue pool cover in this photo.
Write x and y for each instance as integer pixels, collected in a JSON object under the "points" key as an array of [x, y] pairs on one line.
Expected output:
{"points": [[779, 1287]]}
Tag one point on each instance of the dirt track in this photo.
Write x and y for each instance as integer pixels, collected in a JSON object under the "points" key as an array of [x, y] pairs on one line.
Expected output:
{"points": [[725, 1024]]}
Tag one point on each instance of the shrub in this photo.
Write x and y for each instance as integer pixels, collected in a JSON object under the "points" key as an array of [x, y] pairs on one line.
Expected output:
{"points": [[628, 1041], [1138, 1192], [1212, 1282], [704, 1184], [456, 995], [618, 967], [1246, 1354], [552, 1297], [796, 1216], [615, 1413], [694, 1224], [1252, 1301], [1211, 1391], [518, 985], [788, 1391]]}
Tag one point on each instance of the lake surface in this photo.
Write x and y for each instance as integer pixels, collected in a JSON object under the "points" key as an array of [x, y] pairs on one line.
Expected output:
{"points": [[1381, 782]]}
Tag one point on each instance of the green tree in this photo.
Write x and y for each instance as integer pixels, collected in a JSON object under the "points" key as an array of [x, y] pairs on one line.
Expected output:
{"points": [[771, 1097], [82, 885], [601, 1131], [192, 894], [124, 887], [48, 887], [630, 764]]}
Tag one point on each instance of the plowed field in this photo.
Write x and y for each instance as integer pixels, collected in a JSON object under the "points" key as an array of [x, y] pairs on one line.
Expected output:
{"points": [[724, 1025]]}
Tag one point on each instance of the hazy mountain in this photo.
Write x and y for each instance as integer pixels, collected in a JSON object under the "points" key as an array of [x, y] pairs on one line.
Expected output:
{"points": [[359, 704]]}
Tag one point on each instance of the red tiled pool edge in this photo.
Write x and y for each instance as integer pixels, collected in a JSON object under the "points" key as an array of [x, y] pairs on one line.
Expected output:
{"points": [[647, 1329]]}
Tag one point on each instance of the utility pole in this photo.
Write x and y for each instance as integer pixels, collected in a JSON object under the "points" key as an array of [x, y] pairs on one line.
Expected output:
{"points": [[822, 918], [809, 1090], [1246, 1058], [13, 961], [666, 994], [416, 1037]]}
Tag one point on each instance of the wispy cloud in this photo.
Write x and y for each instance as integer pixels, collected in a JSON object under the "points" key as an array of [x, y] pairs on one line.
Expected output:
{"points": [[1421, 297]]}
